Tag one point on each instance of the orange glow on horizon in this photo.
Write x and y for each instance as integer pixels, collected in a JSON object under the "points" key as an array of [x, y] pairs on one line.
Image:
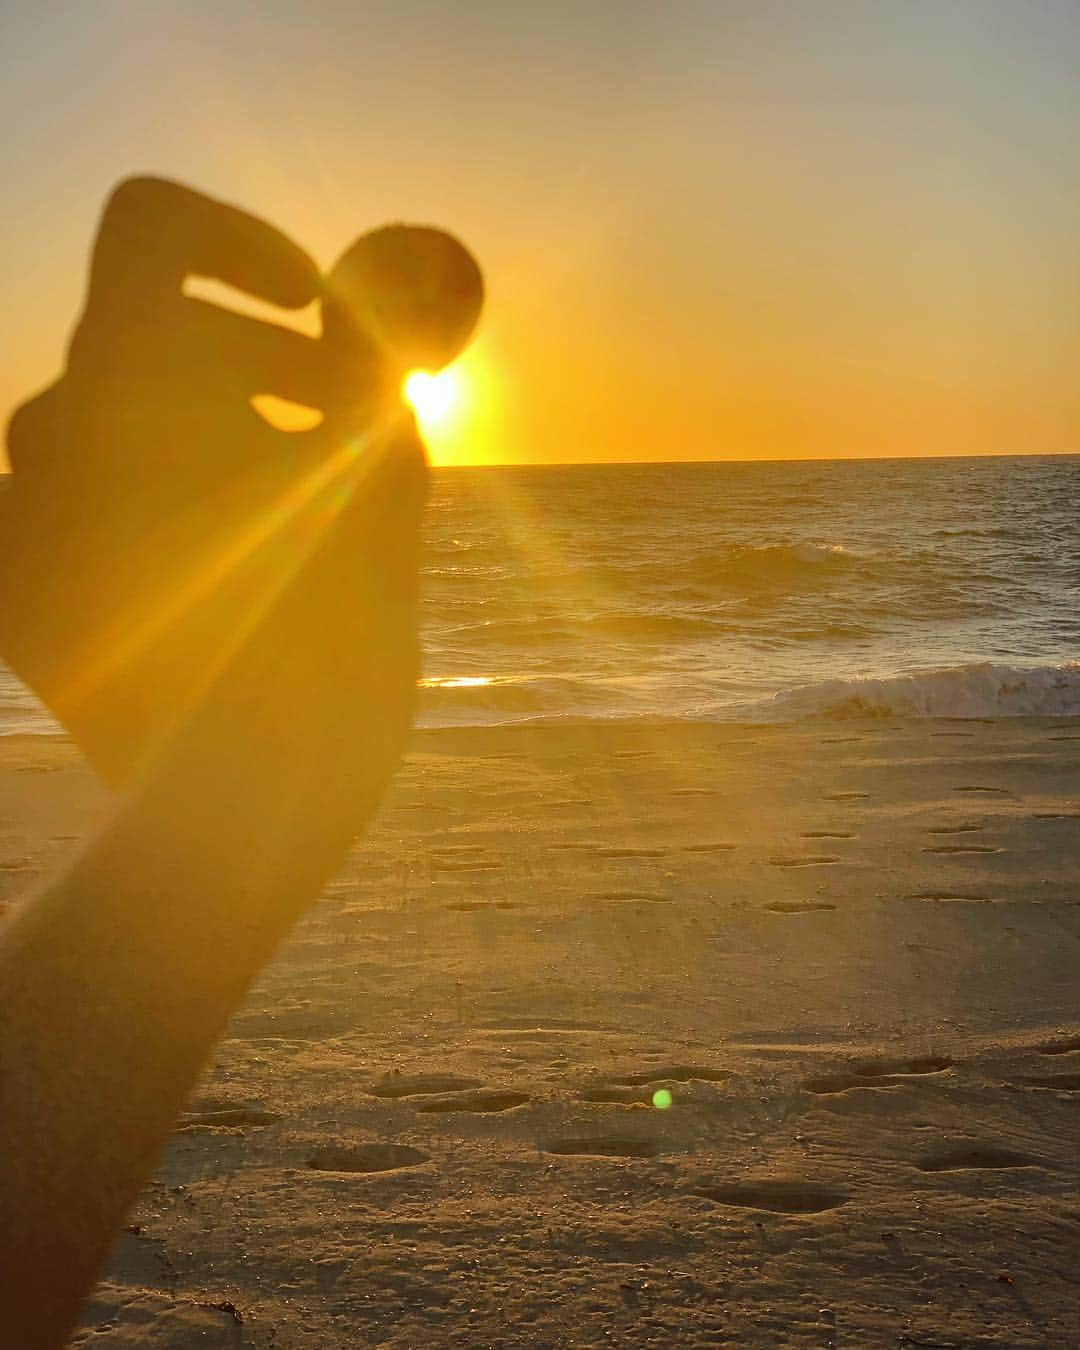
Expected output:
{"points": [[457, 408], [435, 398], [768, 249]]}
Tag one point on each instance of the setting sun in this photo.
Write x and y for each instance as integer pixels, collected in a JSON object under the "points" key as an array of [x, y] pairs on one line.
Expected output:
{"points": [[436, 399], [459, 408]]}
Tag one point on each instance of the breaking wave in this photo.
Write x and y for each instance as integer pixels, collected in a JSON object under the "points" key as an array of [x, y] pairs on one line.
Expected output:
{"points": [[977, 690]]}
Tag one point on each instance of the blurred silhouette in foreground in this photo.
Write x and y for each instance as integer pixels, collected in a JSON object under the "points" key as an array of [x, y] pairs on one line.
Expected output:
{"points": [[224, 617]]}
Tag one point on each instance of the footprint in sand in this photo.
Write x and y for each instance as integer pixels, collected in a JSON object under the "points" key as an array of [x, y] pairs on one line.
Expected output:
{"points": [[693, 792], [969, 1157], [951, 898], [673, 1073], [1066, 1047], [604, 1146], [633, 1088], [224, 1117], [811, 860], [976, 788], [925, 1064], [776, 1197], [366, 1158], [846, 1082], [421, 1085], [962, 827], [471, 906], [1056, 1082], [1057, 815], [617, 1096], [629, 897], [707, 848], [846, 796], [826, 834], [962, 848], [877, 1073], [631, 852], [478, 1101], [798, 906]]}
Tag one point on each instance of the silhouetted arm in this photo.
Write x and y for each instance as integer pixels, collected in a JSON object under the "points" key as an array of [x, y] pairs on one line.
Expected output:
{"points": [[253, 693], [116, 982]]}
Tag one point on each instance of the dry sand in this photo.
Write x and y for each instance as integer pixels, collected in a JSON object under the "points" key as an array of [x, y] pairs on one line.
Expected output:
{"points": [[848, 952]]}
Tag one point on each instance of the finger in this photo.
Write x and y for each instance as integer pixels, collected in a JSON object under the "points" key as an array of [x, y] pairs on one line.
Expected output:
{"points": [[417, 291], [154, 233], [241, 356], [409, 472], [384, 518], [31, 430]]}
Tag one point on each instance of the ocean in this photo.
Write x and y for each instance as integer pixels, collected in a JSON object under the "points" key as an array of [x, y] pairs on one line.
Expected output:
{"points": [[757, 591]]}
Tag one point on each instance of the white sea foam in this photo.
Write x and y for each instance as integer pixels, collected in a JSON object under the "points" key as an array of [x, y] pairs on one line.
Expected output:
{"points": [[819, 553], [979, 690]]}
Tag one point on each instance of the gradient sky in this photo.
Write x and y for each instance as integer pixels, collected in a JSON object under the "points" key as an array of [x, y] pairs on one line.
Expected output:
{"points": [[731, 229]]}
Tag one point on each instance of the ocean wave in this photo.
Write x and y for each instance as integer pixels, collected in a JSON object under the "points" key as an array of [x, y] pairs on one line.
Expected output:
{"points": [[481, 701], [978, 690], [781, 563], [662, 565], [656, 627], [734, 569], [543, 631], [819, 553]]}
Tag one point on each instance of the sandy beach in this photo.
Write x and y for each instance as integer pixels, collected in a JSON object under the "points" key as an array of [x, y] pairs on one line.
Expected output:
{"points": [[676, 1034]]}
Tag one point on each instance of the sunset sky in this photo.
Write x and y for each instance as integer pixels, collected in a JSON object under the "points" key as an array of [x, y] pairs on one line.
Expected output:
{"points": [[719, 229]]}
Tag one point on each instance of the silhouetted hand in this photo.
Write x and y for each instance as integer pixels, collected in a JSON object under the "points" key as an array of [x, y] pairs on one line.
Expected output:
{"points": [[167, 553], [225, 618]]}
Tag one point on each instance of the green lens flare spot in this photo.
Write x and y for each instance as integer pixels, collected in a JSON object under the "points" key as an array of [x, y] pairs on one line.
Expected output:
{"points": [[661, 1099]]}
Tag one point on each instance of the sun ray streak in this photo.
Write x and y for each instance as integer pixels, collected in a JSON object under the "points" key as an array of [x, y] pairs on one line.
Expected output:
{"points": [[305, 511]]}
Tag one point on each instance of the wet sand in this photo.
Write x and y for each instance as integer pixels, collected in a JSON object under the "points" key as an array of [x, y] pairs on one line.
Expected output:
{"points": [[845, 953]]}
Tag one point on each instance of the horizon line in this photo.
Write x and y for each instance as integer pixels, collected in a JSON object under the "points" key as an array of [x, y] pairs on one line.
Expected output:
{"points": [[804, 459]]}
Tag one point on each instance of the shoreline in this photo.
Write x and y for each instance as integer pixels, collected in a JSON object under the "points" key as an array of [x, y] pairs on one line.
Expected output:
{"points": [[849, 722]]}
